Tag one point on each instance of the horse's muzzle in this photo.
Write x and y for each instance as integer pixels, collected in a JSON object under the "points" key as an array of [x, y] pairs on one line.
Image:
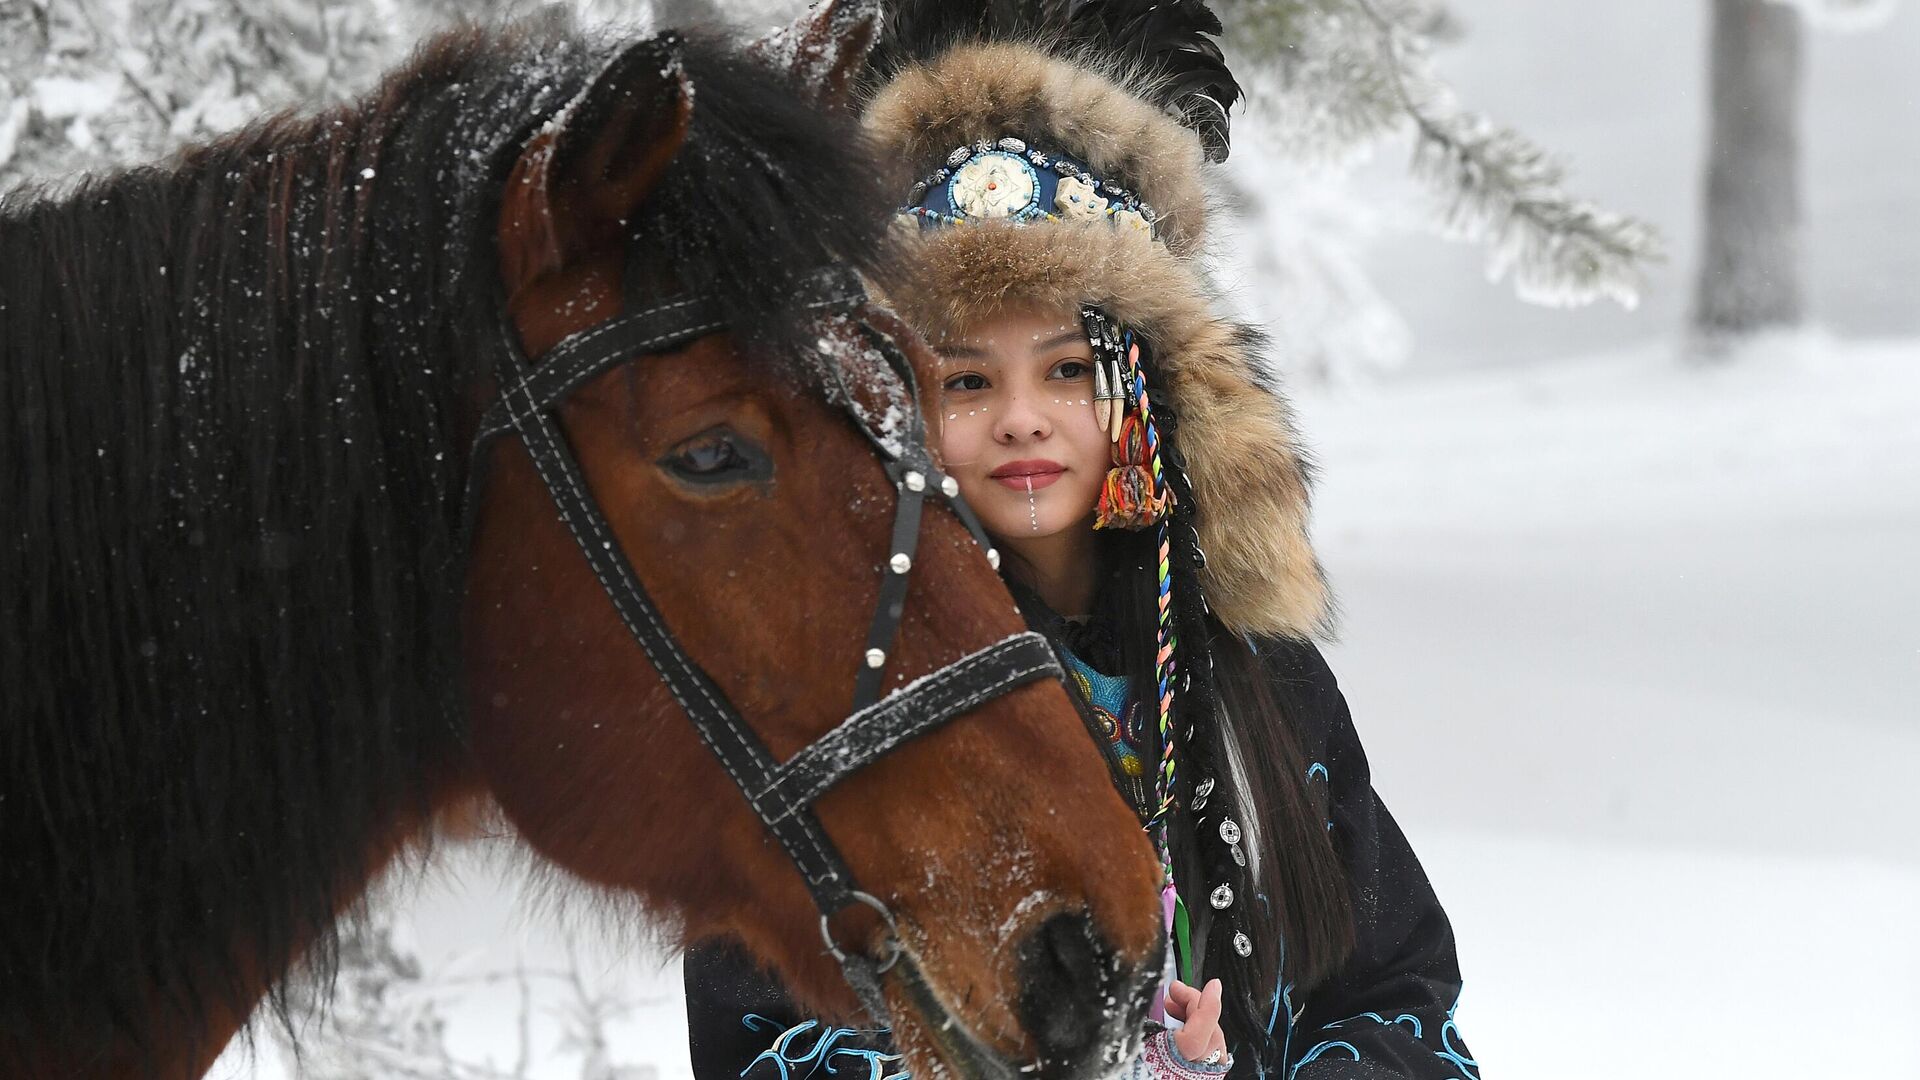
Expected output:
{"points": [[1080, 1004]]}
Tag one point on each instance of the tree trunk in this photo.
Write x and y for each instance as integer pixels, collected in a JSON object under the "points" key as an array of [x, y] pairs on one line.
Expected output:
{"points": [[1751, 245]]}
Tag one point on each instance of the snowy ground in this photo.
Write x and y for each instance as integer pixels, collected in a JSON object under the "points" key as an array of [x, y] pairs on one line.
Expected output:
{"points": [[1636, 652]]}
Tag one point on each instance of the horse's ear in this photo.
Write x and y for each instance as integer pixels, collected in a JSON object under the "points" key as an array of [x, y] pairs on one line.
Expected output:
{"points": [[578, 182], [826, 47]]}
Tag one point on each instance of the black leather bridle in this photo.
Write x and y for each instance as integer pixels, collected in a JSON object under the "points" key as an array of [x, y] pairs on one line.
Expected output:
{"points": [[782, 794]]}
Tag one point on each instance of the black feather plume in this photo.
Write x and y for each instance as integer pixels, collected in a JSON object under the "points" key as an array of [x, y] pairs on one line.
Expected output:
{"points": [[916, 31], [1173, 41], [1170, 41]]}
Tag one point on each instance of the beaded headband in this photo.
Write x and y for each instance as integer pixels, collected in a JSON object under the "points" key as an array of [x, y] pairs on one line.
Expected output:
{"points": [[1008, 180]]}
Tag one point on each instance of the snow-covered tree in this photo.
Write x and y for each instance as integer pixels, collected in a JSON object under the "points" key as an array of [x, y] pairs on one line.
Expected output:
{"points": [[82, 88], [370, 1012], [1749, 276], [1749, 279], [373, 1011], [88, 84], [1339, 77]]}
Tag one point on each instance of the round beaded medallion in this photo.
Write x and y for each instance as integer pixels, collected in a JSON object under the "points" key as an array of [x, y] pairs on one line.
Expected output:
{"points": [[995, 184]]}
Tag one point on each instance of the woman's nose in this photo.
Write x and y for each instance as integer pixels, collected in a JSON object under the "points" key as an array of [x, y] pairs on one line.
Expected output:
{"points": [[1022, 420]]}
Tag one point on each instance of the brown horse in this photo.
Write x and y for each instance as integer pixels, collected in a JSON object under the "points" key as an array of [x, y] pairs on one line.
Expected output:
{"points": [[256, 634]]}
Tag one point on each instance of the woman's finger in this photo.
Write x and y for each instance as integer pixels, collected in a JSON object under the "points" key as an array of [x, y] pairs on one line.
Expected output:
{"points": [[1206, 1011], [1194, 1043], [1180, 999]]}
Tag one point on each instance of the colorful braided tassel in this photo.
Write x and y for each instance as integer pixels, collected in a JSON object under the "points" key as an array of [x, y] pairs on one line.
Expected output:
{"points": [[1135, 495], [1131, 497]]}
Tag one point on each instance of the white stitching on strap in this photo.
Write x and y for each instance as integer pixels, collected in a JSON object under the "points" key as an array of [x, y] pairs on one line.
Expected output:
{"points": [[900, 701], [575, 343], [585, 337], [960, 705], [525, 387], [579, 343]]}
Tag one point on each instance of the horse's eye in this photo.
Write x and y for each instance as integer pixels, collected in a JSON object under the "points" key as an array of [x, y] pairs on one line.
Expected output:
{"points": [[707, 458], [717, 456]]}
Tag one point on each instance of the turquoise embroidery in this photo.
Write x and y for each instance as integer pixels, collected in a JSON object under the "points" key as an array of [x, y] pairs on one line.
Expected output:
{"points": [[1323, 1048], [1449, 1036], [1403, 1018], [1468, 1067], [1282, 996], [1122, 725], [1325, 777], [784, 1054]]}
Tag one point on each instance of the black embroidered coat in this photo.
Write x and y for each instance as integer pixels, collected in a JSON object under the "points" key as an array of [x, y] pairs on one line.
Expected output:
{"points": [[1387, 1014]]}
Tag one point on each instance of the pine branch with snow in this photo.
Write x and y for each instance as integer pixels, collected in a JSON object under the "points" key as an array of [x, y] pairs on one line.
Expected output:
{"points": [[86, 85], [1347, 74], [373, 1014]]}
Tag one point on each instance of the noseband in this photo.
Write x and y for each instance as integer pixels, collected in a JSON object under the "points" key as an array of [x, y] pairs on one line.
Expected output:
{"points": [[782, 794]]}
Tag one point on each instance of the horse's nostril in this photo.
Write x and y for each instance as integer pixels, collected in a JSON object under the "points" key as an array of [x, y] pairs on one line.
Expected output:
{"points": [[1068, 985]]}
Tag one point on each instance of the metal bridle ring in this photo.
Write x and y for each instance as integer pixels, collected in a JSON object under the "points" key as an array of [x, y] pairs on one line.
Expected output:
{"points": [[894, 948]]}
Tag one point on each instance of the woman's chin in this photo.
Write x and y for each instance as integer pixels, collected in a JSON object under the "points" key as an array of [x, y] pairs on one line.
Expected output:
{"points": [[1017, 515], [1015, 525]]}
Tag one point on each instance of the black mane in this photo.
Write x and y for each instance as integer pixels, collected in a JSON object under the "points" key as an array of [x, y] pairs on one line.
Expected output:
{"points": [[233, 393]]}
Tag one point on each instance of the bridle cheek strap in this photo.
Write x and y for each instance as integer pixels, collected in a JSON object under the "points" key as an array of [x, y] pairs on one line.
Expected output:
{"points": [[782, 795]]}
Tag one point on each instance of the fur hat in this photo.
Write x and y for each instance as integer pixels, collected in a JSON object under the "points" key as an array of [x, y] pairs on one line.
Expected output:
{"points": [[1250, 478]]}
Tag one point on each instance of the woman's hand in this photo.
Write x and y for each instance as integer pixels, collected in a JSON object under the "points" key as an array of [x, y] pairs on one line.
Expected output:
{"points": [[1199, 1014]]}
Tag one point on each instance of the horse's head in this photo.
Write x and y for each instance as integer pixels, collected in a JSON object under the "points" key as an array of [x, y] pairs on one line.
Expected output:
{"points": [[759, 518]]}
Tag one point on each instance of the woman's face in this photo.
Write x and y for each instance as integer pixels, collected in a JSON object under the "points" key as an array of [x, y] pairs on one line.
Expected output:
{"points": [[1017, 428]]}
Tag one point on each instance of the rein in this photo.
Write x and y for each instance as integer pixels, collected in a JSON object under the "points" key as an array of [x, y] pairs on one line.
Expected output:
{"points": [[782, 794]]}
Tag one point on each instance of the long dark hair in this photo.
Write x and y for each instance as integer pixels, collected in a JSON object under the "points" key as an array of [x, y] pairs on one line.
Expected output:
{"points": [[1291, 899], [233, 394]]}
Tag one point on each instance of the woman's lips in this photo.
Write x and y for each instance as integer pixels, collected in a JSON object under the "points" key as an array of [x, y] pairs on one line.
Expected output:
{"points": [[1028, 475], [1028, 481]]}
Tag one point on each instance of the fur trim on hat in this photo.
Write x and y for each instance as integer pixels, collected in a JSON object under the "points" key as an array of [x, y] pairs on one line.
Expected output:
{"points": [[1250, 477], [986, 91]]}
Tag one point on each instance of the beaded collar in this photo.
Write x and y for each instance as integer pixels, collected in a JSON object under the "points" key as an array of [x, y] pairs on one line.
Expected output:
{"points": [[1009, 180]]}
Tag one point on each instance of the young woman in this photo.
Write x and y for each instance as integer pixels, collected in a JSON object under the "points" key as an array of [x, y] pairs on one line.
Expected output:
{"points": [[1140, 474]]}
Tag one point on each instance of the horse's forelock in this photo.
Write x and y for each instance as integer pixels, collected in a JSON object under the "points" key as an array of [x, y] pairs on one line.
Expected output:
{"points": [[766, 173]]}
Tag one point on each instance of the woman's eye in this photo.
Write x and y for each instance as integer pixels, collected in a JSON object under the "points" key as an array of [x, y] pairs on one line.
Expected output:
{"points": [[966, 380], [717, 456], [1072, 369]]}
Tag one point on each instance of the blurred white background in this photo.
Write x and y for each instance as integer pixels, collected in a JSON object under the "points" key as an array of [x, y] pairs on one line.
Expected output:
{"points": [[1634, 642]]}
